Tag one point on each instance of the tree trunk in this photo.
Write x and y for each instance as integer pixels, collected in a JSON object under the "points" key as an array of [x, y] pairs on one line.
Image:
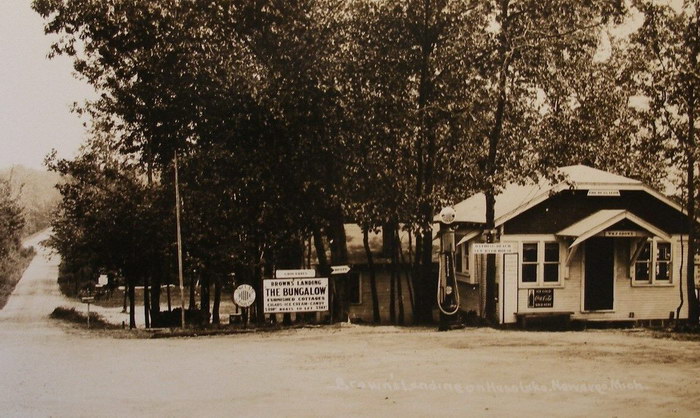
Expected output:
{"points": [[170, 300], [146, 304], [692, 232], [491, 163], [258, 285], [397, 269], [193, 288], [320, 251], [126, 294], [339, 256], [424, 147], [204, 299], [155, 293], [217, 300], [417, 274], [693, 308], [428, 279], [392, 293], [407, 271], [376, 317], [132, 302], [490, 291], [323, 266], [259, 302]]}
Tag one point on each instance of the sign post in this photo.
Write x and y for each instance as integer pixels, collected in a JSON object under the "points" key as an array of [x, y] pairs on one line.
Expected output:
{"points": [[180, 274], [88, 300], [243, 297]]}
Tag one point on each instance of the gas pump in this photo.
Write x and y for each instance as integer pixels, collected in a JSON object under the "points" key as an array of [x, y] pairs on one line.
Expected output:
{"points": [[447, 293]]}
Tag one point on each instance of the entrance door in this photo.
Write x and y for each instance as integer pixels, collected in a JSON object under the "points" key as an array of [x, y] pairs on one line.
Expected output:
{"points": [[599, 274]]}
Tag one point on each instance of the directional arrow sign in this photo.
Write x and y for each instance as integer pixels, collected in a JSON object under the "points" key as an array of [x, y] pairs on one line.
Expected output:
{"points": [[340, 269]]}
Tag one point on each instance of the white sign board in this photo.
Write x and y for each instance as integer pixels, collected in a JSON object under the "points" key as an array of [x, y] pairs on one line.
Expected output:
{"points": [[244, 295], [625, 234], [295, 295], [495, 248], [102, 280], [291, 274], [340, 269], [603, 193]]}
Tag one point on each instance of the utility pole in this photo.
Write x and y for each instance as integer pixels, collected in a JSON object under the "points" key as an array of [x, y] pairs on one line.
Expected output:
{"points": [[179, 245]]}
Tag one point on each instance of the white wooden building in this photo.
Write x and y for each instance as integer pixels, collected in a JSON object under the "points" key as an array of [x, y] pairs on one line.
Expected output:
{"points": [[597, 246]]}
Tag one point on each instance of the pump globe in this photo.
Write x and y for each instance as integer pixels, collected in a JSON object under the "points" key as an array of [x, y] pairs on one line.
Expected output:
{"points": [[447, 215]]}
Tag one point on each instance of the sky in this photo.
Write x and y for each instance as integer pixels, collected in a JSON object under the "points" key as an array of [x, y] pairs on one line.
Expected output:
{"points": [[36, 94]]}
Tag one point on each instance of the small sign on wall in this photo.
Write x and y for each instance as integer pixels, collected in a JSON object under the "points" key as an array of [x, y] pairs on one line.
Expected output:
{"points": [[495, 248], [603, 193], [540, 298], [625, 234]]}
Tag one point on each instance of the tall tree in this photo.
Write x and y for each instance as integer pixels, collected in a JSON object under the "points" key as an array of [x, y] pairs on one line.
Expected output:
{"points": [[412, 90], [665, 49], [105, 213], [591, 115], [527, 39], [11, 219]]}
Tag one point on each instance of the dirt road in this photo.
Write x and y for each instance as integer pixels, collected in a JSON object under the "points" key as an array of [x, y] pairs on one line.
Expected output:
{"points": [[47, 369]]}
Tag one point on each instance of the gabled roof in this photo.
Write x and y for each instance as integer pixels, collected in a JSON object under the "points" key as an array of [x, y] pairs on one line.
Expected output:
{"points": [[517, 198], [602, 220]]}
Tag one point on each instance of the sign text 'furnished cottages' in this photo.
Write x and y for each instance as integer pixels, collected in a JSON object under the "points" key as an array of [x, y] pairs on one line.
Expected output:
{"points": [[596, 246]]}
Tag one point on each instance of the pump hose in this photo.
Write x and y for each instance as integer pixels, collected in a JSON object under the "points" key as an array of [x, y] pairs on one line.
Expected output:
{"points": [[447, 271]]}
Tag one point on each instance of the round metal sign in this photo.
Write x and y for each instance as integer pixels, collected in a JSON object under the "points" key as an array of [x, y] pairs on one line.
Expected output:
{"points": [[244, 295]]}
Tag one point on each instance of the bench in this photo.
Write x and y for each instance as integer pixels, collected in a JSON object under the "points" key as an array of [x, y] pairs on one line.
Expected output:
{"points": [[548, 320]]}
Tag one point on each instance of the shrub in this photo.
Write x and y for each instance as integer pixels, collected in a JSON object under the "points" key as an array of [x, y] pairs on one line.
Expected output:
{"points": [[76, 317]]}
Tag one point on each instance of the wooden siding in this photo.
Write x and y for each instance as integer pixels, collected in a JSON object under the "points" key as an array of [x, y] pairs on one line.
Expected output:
{"points": [[363, 311], [645, 302], [570, 206]]}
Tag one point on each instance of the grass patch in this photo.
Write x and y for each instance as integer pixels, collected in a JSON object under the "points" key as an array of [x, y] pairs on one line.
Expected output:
{"points": [[11, 270], [681, 332], [72, 316]]}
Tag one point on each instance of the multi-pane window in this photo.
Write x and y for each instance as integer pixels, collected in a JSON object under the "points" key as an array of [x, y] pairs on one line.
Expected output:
{"points": [[653, 263], [540, 262], [551, 262], [642, 266], [663, 261], [530, 262], [462, 262]]}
